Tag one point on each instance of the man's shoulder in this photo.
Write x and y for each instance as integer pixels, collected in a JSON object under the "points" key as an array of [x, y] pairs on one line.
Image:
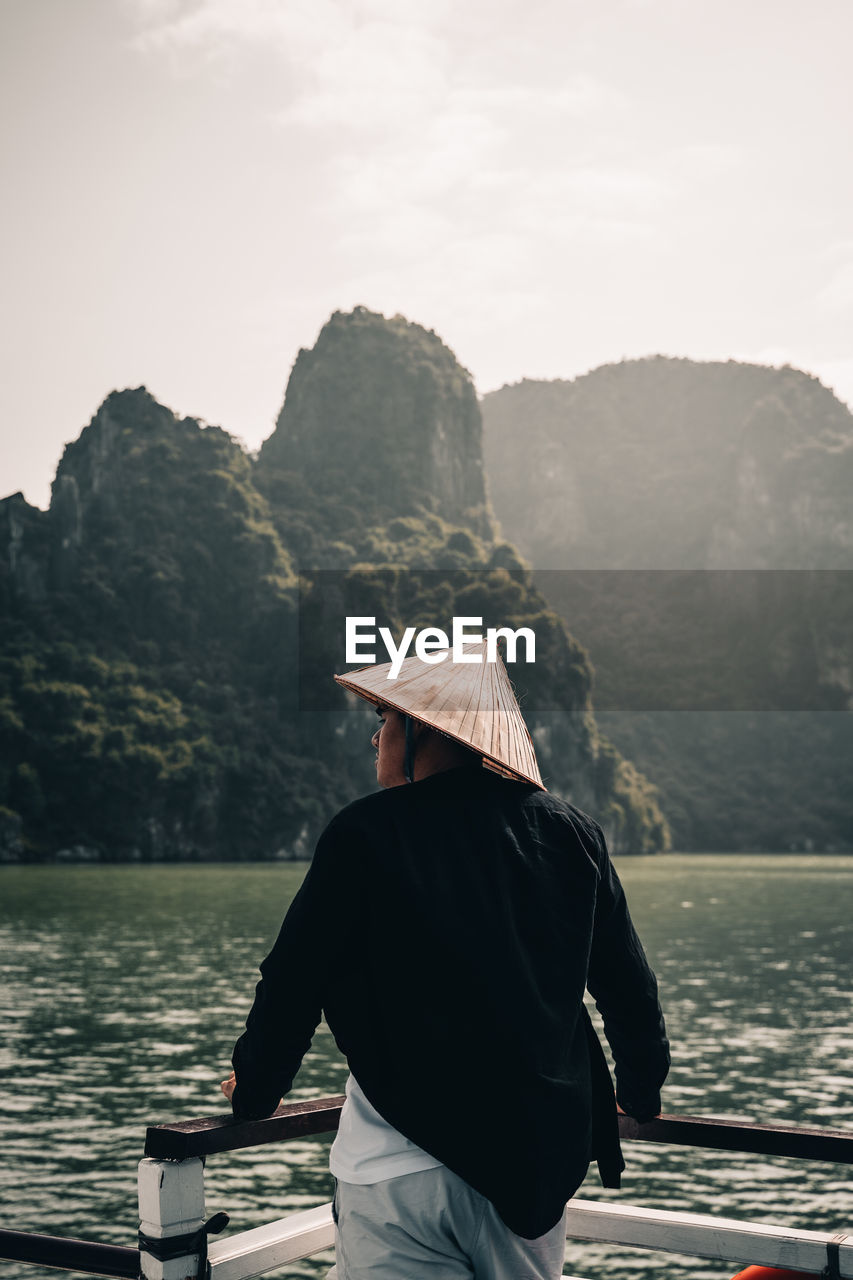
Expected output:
{"points": [[369, 814], [556, 803], [587, 831], [348, 833], [361, 812]]}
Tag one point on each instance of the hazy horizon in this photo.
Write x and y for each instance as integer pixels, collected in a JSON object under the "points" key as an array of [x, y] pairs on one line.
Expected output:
{"points": [[196, 185]]}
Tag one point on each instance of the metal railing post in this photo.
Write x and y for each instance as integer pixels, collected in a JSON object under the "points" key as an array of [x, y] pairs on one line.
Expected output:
{"points": [[171, 1216]]}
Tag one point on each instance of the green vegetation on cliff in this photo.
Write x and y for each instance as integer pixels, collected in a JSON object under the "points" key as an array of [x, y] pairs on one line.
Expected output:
{"points": [[173, 621], [141, 695], [379, 420]]}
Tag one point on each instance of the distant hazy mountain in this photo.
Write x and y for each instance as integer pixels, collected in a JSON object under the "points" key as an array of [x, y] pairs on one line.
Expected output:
{"points": [[673, 464], [729, 678]]}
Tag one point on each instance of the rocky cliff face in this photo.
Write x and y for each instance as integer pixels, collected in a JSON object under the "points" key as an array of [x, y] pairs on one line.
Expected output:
{"points": [[24, 551], [379, 415], [162, 696], [731, 691], [159, 517], [673, 464], [788, 504]]}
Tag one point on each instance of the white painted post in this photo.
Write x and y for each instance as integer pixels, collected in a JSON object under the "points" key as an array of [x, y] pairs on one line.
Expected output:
{"points": [[171, 1203]]}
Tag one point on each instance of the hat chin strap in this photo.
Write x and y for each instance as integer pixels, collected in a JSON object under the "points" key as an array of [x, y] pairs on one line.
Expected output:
{"points": [[409, 758]]}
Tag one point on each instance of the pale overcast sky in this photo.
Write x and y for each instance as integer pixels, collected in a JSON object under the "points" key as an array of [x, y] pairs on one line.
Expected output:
{"points": [[193, 186]]}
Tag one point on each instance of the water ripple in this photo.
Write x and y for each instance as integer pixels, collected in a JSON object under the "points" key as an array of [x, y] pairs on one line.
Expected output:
{"points": [[119, 1009]]}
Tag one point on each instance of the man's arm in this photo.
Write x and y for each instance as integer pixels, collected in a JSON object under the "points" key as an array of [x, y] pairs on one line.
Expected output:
{"points": [[294, 978], [625, 991]]}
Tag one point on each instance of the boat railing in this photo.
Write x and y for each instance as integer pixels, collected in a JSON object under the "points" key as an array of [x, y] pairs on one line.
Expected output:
{"points": [[175, 1235]]}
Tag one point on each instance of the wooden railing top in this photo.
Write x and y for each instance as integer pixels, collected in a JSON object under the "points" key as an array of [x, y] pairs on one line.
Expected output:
{"points": [[211, 1134]]}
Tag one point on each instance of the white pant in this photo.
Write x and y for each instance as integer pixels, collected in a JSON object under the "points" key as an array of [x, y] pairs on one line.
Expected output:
{"points": [[432, 1224]]}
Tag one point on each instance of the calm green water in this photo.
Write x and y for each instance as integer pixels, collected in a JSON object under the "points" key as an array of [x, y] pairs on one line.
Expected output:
{"points": [[124, 988]]}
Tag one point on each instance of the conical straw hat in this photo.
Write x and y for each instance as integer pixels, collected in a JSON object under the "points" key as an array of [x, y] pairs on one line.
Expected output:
{"points": [[471, 702]]}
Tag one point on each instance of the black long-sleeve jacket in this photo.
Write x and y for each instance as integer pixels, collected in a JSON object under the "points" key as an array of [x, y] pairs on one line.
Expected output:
{"points": [[448, 929]]}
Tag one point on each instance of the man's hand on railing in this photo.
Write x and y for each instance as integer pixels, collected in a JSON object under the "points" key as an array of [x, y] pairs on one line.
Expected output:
{"points": [[620, 1112], [228, 1086]]}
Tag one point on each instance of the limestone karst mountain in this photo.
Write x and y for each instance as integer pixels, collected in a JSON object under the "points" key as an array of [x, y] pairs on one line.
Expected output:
{"points": [[692, 524], [673, 464], [140, 707], [172, 622], [380, 421]]}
